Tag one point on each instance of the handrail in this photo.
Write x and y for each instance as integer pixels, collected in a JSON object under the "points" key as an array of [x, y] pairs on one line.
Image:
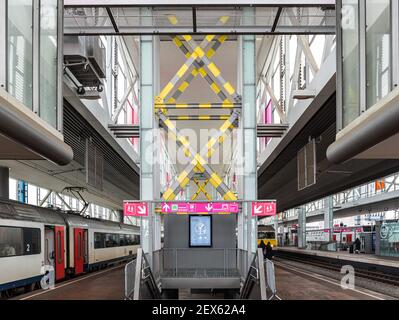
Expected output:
{"points": [[257, 285], [138, 278]]}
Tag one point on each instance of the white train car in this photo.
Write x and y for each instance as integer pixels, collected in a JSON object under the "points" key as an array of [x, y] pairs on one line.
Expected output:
{"points": [[33, 238]]}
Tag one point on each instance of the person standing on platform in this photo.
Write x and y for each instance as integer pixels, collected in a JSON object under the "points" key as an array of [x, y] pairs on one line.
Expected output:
{"points": [[263, 246], [269, 251], [357, 245]]}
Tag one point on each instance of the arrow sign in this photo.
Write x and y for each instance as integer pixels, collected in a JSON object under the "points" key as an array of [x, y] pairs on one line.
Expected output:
{"points": [[258, 209], [166, 208], [200, 207], [264, 209], [135, 209]]}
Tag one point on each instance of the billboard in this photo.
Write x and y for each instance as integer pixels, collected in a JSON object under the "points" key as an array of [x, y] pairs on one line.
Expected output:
{"points": [[200, 231]]}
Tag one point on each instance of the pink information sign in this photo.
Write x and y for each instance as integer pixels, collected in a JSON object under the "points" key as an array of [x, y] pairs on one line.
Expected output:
{"points": [[200, 207], [135, 209], [264, 209]]}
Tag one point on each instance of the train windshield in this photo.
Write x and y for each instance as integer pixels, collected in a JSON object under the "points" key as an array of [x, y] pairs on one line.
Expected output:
{"points": [[265, 235]]}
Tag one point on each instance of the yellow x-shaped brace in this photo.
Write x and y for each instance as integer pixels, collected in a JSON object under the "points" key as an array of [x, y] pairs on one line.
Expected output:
{"points": [[201, 188]]}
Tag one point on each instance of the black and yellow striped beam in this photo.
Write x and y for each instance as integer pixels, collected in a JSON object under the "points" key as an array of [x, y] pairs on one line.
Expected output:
{"points": [[213, 105], [200, 118], [212, 70], [201, 188]]}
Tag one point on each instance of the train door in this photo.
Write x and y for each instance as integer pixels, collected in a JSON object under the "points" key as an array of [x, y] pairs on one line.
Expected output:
{"points": [[59, 253], [349, 238], [49, 247], [79, 250]]}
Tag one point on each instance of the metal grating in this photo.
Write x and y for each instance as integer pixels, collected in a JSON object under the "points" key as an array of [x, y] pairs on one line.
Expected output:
{"points": [[115, 170], [306, 160]]}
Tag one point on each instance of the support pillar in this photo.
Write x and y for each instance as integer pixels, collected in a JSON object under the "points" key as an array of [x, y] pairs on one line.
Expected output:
{"points": [[301, 227], [329, 216], [4, 183], [247, 56], [149, 144], [276, 229]]}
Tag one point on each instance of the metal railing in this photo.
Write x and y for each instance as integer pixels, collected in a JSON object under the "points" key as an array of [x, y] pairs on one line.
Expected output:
{"points": [[139, 281], [202, 262], [270, 279], [260, 283], [130, 272]]}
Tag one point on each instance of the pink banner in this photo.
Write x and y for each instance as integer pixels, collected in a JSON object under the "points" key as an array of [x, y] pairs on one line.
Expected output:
{"points": [[200, 207], [264, 209], [135, 209]]}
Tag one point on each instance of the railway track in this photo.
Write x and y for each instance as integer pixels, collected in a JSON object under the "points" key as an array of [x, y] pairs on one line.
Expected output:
{"points": [[390, 279]]}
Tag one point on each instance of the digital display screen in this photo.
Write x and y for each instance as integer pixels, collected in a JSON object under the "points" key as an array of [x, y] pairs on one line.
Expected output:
{"points": [[200, 231]]}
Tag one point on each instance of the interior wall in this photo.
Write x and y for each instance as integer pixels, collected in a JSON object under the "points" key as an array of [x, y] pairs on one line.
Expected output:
{"points": [[176, 231]]}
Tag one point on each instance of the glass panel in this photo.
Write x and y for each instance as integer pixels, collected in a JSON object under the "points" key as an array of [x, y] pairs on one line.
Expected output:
{"points": [[11, 242], [350, 61], [378, 44], [389, 234], [79, 245], [48, 61], [31, 241], [20, 52], [99, 240], [59, 247]]}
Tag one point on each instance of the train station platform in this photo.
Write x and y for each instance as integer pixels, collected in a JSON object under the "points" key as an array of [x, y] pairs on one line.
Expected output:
{"points": [[107, 284], [345, 256]]}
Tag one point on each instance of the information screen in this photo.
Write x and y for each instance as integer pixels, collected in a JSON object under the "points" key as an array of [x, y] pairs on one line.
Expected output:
{"points": [[200, 231]]}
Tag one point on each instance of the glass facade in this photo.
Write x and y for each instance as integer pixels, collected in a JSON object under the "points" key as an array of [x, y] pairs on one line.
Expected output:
{"points": [[20, 51], [48, 61], [378, 48], [350, 61], [389, 239], [367, 55], [32, 55]]}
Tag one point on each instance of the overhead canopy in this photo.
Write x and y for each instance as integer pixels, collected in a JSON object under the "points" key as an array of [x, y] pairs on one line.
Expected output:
{"points": [[155, 17]]}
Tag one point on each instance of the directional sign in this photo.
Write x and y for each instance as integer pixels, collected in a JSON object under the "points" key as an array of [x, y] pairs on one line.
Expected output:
{"points": [[200, 207], [264, 209], [135, 209]]}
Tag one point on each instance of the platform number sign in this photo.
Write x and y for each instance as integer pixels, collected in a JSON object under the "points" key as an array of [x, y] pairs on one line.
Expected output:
{"points": [[264, 209], [135, 209]]}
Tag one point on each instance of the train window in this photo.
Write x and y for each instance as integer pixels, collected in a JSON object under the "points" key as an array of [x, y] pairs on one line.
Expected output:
{"points": [[111, 240], [121, 240], [129, 240], [60, 253], [99, 240], [31, 241], [19, 241], [11, 240], [79, 245]]}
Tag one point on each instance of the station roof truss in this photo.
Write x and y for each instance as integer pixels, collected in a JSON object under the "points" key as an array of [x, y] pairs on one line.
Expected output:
{"points": [[270, 17]]}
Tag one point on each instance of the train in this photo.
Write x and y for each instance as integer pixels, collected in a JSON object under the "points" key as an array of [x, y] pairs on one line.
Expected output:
{"points": [[34, 239], [266, 234]]}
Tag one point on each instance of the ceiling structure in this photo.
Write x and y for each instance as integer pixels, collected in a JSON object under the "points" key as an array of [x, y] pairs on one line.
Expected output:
{"points": [[269, 17]]}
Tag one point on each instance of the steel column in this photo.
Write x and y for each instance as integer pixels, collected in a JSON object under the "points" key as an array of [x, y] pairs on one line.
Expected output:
{"points": [[329, 216], [4, 182], [148, 87], [248, 78], [301, 227]]}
